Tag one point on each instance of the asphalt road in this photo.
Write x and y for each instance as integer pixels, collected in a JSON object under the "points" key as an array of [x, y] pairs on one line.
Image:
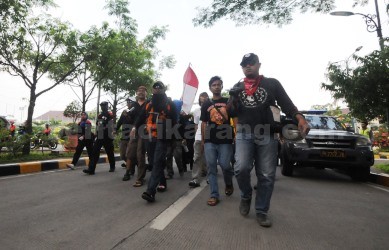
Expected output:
{"points": [[316, 209]]}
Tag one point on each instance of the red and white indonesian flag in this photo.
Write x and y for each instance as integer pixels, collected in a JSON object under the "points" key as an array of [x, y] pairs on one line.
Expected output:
{"points": [[191, 84]]}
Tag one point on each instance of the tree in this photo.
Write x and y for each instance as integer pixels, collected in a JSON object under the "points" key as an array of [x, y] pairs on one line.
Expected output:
{"points": [[15, 11], [35, 47], [88, 50], [124, 62], [73, 110], [278, 12], [365, 88]]}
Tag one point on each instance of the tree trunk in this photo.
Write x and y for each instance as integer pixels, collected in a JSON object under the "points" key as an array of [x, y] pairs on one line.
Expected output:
{"points": [[28, 123], [115, 107], [83, 97]]}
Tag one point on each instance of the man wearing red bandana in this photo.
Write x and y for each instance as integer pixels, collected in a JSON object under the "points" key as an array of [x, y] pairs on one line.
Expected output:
{"points": [[255, 107]]}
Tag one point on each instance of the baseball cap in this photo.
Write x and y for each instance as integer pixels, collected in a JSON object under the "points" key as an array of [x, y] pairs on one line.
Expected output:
{"points": [[249, 58], [158, 85]]}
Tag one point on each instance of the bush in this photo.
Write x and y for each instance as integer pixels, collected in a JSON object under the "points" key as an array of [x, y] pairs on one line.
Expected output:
{"points": [[13, 144], [381, 137]]}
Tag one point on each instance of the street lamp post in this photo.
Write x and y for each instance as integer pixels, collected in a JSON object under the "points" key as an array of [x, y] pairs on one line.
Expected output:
{"points": [[371, 24], [348, 59]]}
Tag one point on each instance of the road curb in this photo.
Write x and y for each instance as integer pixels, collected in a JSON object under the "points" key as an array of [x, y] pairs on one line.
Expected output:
{"points": [[381, 156], [39, 166], [380, 179]]}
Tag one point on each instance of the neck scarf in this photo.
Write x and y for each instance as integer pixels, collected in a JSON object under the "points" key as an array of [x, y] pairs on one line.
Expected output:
{"points": [[251, 85]]}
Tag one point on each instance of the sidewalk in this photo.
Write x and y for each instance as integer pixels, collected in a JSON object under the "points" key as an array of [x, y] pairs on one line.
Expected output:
{"points": [[38, 166]]}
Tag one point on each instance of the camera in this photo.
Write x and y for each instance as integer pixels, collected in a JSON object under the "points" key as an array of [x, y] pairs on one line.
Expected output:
{"points": [[236, 90]]}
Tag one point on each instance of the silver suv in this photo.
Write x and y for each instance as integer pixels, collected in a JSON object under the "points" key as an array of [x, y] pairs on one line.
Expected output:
{"points": [[328, 145]]}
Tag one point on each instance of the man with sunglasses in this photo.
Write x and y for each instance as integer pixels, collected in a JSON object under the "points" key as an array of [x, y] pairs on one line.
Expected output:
{"points": [[254, 106]]}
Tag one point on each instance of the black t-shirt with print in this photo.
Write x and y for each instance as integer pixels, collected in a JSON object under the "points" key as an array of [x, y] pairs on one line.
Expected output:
{"points": [[218, 129], [255, 109]]}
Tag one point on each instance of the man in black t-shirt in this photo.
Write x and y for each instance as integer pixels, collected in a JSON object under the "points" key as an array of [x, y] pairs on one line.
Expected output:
{"points": [[255, 102], [217, 138]]}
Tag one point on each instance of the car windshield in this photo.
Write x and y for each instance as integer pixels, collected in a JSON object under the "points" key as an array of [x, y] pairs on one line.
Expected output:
{"points": [[323, 122]]}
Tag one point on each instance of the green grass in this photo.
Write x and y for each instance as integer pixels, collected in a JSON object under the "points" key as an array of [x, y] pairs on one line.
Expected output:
{"points": [[33, 156], [383, 167]]}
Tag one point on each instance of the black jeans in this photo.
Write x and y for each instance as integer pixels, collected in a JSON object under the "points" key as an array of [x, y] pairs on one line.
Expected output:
{"points": [[108, 146], [158, 158], [80, 147]]}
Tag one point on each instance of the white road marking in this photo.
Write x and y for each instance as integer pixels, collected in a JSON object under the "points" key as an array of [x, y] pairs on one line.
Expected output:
{"points": [[167, 216], [377, 187]]}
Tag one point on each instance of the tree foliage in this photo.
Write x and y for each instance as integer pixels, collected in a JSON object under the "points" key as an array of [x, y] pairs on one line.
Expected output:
{"points": [[365, 88], [125, 62], [277, 12], [34, 47], [15, 11], [73, 110]]}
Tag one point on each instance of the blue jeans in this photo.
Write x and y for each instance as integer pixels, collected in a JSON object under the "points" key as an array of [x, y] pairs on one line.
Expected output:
{"points": [[214, 154], [263, 153]]}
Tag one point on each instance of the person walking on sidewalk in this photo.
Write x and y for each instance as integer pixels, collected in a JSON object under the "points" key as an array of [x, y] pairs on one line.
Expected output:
{"points": [[104, 138], [217, 138], [255, 103], [136, 148], [160, 116], [85, 139], [199, 166]]}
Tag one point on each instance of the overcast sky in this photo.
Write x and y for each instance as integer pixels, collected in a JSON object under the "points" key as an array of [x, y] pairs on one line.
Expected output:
{"points": [[296, 54]]}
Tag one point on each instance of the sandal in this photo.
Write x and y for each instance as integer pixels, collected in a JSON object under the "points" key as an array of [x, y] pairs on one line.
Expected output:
{"points": [[138, 183], [213, 201]]}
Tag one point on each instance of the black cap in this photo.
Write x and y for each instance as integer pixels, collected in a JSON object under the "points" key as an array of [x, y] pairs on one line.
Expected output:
{"points": [[104, 103], [158, 85], [249, 58]]}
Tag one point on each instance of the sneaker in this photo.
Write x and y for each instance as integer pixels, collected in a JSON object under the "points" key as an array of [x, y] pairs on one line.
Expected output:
{"points": [[194, 184], [229, 190], [161, 188], [87, 171], [123, 165], [71, 166], [126, 177], [264, 220], [148, 197], [244, 206]]}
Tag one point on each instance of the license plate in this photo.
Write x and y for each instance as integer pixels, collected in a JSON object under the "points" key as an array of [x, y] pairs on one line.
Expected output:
{"points": [[333, 154]]}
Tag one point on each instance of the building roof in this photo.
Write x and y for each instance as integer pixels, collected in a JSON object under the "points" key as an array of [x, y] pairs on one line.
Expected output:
{"points": [[56, 115]]}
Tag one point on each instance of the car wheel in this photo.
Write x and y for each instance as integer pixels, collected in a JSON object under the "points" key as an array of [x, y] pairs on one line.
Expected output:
{"points": [[287, 165], [361, 174]]}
